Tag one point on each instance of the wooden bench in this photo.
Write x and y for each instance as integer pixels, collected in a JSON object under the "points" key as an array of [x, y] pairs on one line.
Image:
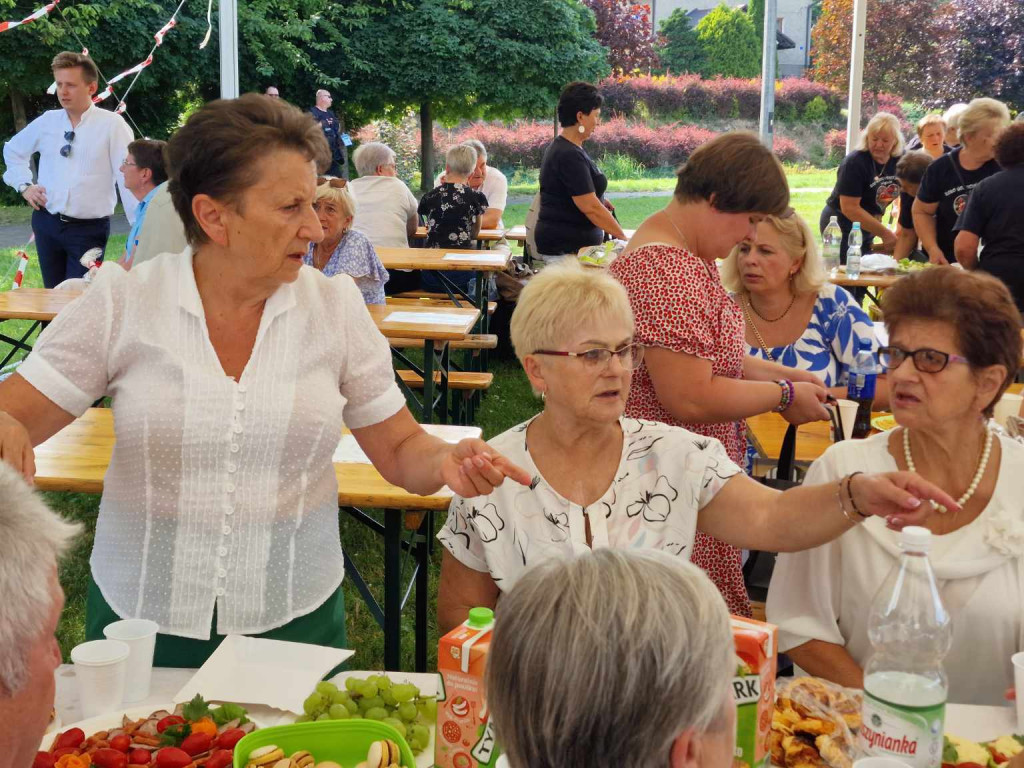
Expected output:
{"points": [[473, 341], [469, 383]]}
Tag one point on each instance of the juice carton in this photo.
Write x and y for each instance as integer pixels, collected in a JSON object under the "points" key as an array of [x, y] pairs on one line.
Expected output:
{"points": [[464, 736], [754, 690]]}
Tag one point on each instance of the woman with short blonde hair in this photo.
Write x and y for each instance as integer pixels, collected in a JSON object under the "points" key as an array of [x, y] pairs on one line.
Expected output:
{"points": [[866, 184], [343, 251], [931, 136], [793, 315], [602, 479], [947, 184]]}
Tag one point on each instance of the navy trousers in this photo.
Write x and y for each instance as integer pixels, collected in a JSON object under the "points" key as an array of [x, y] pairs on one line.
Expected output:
{"points": [[62, 242]]}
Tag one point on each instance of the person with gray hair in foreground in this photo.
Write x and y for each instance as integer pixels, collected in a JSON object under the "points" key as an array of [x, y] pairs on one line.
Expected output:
{"points": [[31, 599], [651, 688]]}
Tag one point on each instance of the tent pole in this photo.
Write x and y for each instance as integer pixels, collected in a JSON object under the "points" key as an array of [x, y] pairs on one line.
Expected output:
{"points": [[860, 15], [769, 46], [228, 28]]}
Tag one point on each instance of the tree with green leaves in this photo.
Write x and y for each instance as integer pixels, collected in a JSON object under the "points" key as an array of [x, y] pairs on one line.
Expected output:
{"points": [[460, 59], [679, 49], [730, 43], [755, 9]]}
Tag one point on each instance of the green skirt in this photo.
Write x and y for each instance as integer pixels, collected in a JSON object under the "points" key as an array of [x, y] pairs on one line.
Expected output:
{"points": [[324, 626]]}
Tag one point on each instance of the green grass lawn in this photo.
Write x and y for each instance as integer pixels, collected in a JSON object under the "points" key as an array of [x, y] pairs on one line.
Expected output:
{"points": [[509, 402]]}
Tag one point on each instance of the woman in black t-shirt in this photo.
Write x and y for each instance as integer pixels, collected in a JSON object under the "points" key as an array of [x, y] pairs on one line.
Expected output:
{"points": [[993, 215], [573, 212], [866, 184], [948, 182]]}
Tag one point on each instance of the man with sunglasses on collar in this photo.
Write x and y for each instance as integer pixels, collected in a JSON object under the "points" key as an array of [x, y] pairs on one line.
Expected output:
{"points": [[80, 150]]}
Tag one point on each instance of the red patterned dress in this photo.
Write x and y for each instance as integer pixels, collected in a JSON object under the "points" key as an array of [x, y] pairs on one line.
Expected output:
{"points": [[679, 304]]}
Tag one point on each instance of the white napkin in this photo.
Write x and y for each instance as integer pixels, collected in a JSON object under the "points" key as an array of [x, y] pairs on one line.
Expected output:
{"points": [[252, 670]]}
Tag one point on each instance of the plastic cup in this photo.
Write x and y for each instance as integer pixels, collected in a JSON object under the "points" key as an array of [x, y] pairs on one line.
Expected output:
{"points": [[140, 637], [1018, 682], [879, 762], [1008, 405], [847, 416], [100, 667]]}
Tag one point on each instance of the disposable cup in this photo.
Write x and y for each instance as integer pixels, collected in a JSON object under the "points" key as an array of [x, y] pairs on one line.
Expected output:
{"points": [[1008, 405], [100, 667], [1018, 682], [847, 416], [140, 637], [879, 762]]}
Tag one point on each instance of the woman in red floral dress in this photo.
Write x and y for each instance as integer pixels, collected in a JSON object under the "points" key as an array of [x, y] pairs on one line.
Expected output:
{"points": [[695, 373]]}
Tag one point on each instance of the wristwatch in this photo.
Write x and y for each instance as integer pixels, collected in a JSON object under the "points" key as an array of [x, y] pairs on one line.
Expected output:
{"points": [[23, 186]]}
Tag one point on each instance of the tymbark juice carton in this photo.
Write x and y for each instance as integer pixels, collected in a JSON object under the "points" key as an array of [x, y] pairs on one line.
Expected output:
{"points": [[464, 738], [753, 688]]}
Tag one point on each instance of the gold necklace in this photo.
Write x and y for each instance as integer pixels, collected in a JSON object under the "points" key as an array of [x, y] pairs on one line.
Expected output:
{"points": [[769, 320], [757, 333]]}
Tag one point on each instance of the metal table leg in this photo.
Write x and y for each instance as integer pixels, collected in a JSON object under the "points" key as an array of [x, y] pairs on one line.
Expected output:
{"points": [[392, 590], [424, 535]]}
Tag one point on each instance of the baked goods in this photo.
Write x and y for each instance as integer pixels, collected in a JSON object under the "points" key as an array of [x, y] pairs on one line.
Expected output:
{"points": [[814, 724], [382, 754]]}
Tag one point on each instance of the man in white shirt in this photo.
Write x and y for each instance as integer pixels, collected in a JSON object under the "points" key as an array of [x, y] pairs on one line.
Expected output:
{"points": [[31, 539], [143, 171], [491, 182], [80, 150]]}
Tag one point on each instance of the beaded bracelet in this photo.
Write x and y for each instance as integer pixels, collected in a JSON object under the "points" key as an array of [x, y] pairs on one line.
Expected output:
{"points": [[788, 395]]}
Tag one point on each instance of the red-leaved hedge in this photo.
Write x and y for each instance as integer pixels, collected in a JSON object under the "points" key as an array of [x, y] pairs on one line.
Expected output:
{"points": [[666, 145], [689, 96]]}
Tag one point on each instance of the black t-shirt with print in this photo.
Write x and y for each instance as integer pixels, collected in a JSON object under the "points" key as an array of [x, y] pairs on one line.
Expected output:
{"points": [[995, 213], [566, 172], [874, 183], [947, 183], [451, 211], [906, 215]]}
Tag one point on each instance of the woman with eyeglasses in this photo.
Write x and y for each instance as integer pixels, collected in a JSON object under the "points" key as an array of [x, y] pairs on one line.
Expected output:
{"points": [[344, 251], [954, 347], [602, 480]]}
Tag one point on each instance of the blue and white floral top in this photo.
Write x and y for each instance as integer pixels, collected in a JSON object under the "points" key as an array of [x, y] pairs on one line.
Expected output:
{"points": [[829, 345], [666, 475], [356, 257]]}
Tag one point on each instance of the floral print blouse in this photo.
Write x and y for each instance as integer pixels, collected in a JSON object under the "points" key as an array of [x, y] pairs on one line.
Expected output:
{"points": [[666, 475], [451, 211], [356, 257]]}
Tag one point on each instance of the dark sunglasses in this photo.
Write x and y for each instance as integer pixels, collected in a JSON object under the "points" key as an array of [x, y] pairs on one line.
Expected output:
{"points": [[925, 360], [65, 151], [332, 182]]}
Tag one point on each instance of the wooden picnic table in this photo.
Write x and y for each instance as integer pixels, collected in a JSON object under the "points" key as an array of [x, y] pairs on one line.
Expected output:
{"points": [[76, 460], [767, 430], [872, 282], [484, 236], [41, 305]]}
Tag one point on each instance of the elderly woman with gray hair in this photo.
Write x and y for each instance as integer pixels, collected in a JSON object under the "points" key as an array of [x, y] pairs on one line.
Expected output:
{"points": [[655, 632], [602, 480], [343, 251], [32, 538], [866, 184], [386, 208], [488, 181]]}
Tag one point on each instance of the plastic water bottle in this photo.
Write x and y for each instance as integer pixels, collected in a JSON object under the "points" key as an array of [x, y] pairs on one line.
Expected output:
{"points": [[831, 247], [856, 236], [861, 385], [905, 686]]}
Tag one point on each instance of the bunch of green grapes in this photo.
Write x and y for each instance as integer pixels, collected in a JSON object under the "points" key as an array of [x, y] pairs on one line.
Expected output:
{"points": [[400, 705]]}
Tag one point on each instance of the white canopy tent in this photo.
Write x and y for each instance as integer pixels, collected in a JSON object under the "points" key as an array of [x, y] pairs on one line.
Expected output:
{"points": [[228, 23]]}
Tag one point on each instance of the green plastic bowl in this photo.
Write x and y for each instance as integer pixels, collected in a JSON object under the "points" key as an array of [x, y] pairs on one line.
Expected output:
{"points": [[343, 741]]}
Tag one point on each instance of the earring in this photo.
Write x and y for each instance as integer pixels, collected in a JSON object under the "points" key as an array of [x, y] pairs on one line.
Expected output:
{"points": [[581, 128], [543, 397]]}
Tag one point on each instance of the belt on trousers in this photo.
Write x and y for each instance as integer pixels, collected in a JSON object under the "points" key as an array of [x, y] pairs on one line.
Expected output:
{"points": [[71, 220]]}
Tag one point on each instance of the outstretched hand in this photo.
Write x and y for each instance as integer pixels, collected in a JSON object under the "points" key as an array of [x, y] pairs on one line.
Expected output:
{"points": [[900, 497], [473, 468]]}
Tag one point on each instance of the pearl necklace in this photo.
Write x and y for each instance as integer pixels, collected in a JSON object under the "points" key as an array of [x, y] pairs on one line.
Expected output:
{"points": [[982, 465]]}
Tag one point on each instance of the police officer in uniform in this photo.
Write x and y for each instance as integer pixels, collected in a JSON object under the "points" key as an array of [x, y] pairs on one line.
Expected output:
{"points": [[332, 131]]}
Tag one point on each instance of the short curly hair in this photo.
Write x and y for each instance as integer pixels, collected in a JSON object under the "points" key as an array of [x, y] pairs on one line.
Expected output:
{"points": [[977, 306], [1010, 147]]}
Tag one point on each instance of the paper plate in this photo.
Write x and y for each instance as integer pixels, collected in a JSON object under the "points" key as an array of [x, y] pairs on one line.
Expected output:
{"points": [[884, 422], [264, 717]]}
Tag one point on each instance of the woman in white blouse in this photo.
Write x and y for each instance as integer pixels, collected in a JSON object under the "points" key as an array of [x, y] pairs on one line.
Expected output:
{"points": [[232, 369], [955, 346], [601, 480]]}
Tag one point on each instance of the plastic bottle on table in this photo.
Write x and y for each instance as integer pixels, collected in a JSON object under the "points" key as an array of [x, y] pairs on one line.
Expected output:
{"points": [[905, 685], [831, 245], [853, 251], [860, 387]]}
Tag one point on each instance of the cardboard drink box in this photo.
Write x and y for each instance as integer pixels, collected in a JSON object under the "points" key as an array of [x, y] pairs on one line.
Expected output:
{"points": [[464, 738], [753, 688]]}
